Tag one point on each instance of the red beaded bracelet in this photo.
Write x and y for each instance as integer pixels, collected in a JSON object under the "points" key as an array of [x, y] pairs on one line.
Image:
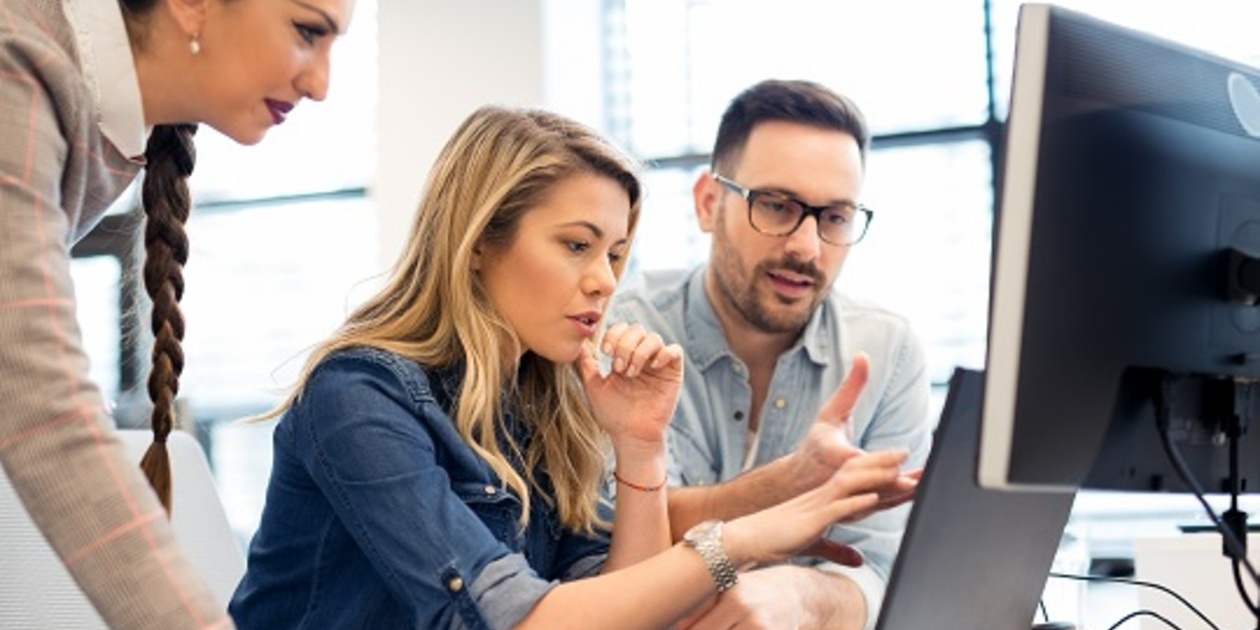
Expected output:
{"points": [[636, 486]]}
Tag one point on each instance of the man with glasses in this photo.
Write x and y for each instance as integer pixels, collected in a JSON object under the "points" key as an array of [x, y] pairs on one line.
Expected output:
{"points": [[785, 378]]}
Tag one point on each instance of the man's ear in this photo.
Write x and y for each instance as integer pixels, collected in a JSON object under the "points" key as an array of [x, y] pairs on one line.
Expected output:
{"points": [[707, 193], [190, 15]]}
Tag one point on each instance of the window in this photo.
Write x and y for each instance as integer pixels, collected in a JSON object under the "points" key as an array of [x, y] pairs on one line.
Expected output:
{"points": [[687, 58], [264, 283]]}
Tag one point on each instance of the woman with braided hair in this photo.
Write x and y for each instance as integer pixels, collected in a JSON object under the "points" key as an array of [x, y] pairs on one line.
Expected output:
{"points": [[92, 94]]}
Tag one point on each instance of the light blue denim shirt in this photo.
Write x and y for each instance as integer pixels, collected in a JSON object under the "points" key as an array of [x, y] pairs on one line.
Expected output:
{"points": [[709, 432], [380, 516]]}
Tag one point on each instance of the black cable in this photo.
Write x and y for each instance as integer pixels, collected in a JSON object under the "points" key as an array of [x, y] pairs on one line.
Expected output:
{"points": [[1242, 588], [1041, 605], [1237, 520], [1143, 613], [1159, 587], [1235, 479], [1236, 548]]}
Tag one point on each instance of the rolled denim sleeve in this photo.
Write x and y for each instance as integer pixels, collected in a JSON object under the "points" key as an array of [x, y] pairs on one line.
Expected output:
{"points": [[363, 436], [501, 595]]}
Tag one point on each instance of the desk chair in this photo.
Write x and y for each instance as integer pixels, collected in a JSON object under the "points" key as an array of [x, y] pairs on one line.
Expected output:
{"points": [[36, 591]]}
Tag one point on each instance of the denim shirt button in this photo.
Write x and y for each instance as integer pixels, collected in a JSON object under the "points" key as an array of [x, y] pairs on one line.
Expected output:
{"points": [[455, 585], [490, 490], [779, 403]]}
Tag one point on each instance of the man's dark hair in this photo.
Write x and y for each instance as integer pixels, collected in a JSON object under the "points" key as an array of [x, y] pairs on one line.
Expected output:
{"points": [[802, 102]]}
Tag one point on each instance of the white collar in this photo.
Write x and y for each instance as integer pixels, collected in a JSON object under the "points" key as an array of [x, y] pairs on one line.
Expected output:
{"points": [[110, 73]]}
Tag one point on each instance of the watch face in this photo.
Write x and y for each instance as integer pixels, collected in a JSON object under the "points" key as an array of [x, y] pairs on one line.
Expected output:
{"points": [[700, 531]]}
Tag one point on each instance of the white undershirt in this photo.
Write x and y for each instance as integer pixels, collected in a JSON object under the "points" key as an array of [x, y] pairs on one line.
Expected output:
{"points": [[750, 449], [110, 72]]}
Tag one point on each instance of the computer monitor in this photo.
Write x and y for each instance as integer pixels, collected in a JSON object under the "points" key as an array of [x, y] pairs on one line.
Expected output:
{"points": [[1125, 263]]}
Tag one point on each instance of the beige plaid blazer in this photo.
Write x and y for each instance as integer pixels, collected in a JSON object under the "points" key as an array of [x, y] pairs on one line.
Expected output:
{"points": [[57, 176]]}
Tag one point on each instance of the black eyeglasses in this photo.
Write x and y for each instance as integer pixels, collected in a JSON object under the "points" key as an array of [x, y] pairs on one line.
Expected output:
{"points": [[777, 214]]}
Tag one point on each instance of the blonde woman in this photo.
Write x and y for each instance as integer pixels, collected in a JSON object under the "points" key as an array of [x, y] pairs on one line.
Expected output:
{"points": [[439, 464]]}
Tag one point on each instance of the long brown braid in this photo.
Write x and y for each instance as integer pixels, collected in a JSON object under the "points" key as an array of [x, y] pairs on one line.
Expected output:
{"points": [[170, 155]]}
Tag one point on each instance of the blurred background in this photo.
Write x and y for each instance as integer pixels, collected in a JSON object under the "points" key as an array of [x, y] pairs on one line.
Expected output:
{"points": [[289, 235]]}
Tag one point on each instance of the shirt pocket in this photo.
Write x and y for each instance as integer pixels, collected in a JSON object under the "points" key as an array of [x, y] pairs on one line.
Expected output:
{"points": [[497, 508]]}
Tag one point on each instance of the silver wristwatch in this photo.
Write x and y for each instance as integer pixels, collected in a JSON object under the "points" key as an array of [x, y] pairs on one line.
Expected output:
{"points": [[706, 538]]}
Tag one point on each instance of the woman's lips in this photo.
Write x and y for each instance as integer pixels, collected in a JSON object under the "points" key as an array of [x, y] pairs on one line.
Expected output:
{"points": [[586, 323], [278, 109]]}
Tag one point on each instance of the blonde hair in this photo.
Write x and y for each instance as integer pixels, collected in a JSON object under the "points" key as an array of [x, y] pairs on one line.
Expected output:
{"points": [[500, 164]]}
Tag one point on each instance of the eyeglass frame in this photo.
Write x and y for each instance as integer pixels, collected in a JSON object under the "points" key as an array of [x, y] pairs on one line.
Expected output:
{"points": [[750, 195]]}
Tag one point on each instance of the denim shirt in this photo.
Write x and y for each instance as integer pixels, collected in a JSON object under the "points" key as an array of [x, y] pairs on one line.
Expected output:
{"points": [[709, 432], [379, 515]]}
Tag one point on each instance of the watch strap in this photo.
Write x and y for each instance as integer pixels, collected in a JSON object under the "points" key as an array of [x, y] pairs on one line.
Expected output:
{"points": [[710, 548]]}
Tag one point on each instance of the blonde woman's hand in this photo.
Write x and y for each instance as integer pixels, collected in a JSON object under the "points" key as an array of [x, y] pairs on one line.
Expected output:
{"points": [[635, 400], [796, 527]]}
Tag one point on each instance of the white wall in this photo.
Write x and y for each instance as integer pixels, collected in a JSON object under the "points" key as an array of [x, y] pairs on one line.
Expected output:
{"points": [[441, 59], [438, 61]]}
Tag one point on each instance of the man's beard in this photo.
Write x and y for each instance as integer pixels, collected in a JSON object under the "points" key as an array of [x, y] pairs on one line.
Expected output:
{"points": [[747, 301]]}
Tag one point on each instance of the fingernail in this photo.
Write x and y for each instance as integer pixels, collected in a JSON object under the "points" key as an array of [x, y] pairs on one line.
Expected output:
{"points": [[619, 364]]}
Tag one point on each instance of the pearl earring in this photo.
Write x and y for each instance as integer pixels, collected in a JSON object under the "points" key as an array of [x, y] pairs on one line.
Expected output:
{"points": [[194, 46]]}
